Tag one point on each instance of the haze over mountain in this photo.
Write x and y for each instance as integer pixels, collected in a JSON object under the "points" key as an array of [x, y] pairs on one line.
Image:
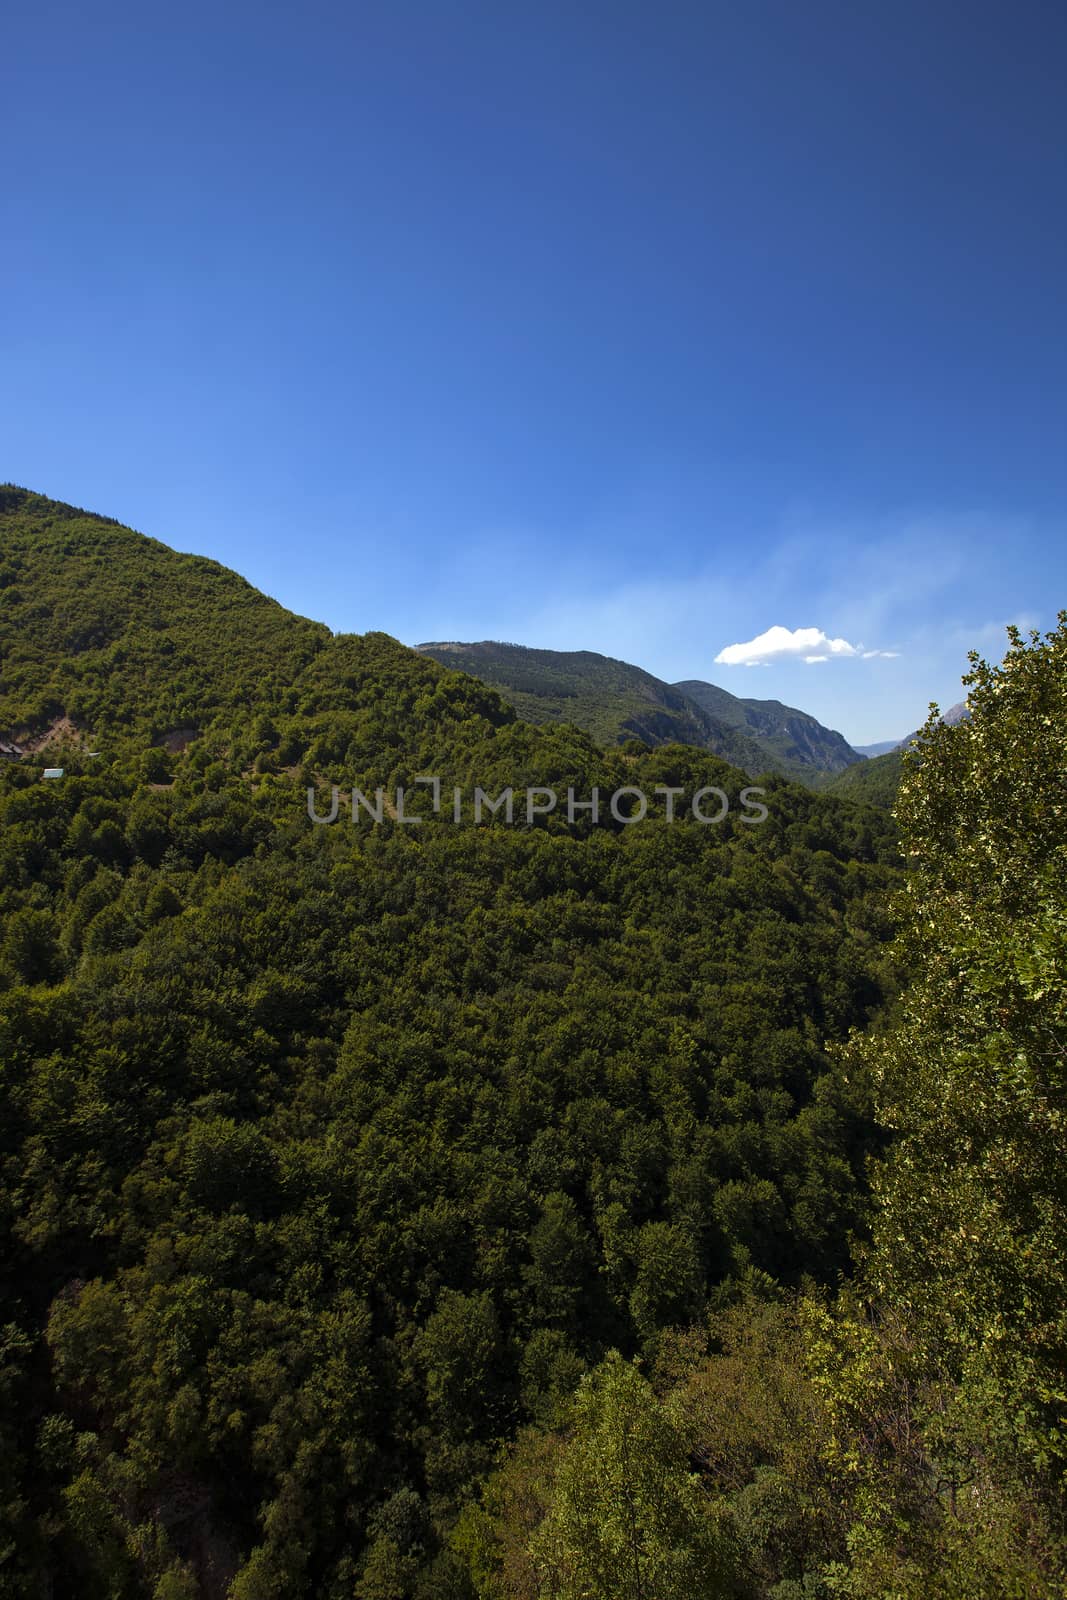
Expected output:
{"points": [[953, 715], [880, 749], [615, 701]]}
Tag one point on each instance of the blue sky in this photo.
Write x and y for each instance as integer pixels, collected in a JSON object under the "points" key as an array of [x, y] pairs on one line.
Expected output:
{"points": [[641, 328]]}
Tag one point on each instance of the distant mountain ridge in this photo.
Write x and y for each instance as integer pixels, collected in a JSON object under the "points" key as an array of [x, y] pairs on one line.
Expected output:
{"points": [[954, 714], [615, 701], [960, 712], [792, 736], [876, 782], [111, 639], [881, 749]]}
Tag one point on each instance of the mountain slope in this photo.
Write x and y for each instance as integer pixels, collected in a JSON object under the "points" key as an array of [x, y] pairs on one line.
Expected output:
{"points": [[876, 781], [111, 628], [873, 782], [794, 738], [610, 699], [330, 1156], [957, 713], [615, 701], [113, 635]]}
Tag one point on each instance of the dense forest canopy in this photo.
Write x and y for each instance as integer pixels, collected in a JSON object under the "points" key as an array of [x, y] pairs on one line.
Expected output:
{"points": [[875, 782], [462, 1210], [909, 1440]]}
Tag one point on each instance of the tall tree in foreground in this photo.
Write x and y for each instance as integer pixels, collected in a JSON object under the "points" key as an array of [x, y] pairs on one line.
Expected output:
{"points": [[966, 1279], [971, 1244]]}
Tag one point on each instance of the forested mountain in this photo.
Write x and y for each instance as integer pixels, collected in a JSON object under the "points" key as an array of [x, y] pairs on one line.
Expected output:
{"points": [[458, 1208], [611, 700], [794, 741], [132, 643], [615, 701], [334, 1154], [910, 1440], [874, 782]]}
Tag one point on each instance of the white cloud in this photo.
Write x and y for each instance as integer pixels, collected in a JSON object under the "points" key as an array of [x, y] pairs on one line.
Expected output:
{"points": [[784, 644]]}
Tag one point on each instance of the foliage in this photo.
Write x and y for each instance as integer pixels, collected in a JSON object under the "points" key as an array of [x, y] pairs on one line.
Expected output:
{"points": [[625, 1517], [618, 703], [874, 782], [334, 1156], [908, 1441]]}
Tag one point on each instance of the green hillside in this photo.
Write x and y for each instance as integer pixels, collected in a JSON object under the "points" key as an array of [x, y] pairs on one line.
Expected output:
{"points": [[611, 700], [525, 1208], [873, 782], [130, 642], [910, 1441], [794, 741], [876, 782], [615, 701], [331, 1156]]}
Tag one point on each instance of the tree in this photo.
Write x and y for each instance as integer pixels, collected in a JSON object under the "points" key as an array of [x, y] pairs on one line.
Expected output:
{"points": [[627, 1519], [966, 1279], [30, 950], [971, 1245]]}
